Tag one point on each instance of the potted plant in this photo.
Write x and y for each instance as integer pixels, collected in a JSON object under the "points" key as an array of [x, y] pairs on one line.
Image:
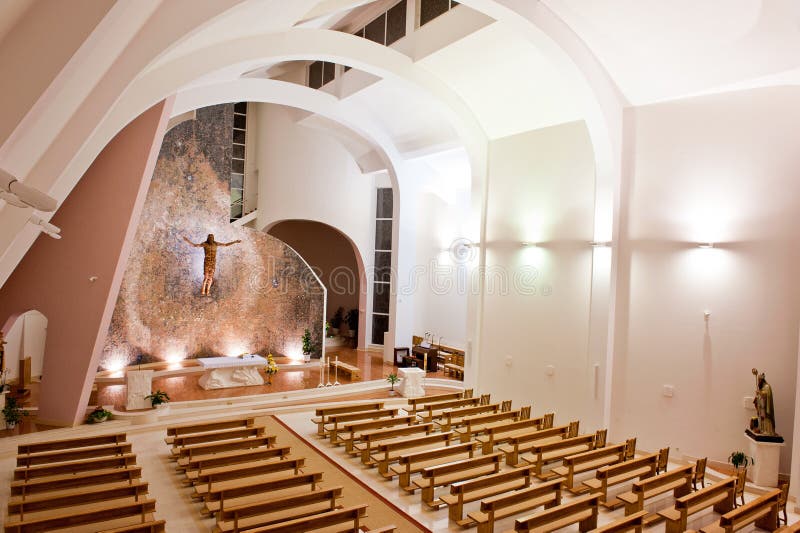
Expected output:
{"points": [[271, 368], [328, 332], [159, 399], [352, 322], [740, 460], [336, 321], [392, 379], [98, 416], [13, 413], [308, 346]]}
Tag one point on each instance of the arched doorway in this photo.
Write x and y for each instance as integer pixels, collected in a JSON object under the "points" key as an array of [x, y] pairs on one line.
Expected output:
{"points": [[337, 262]]}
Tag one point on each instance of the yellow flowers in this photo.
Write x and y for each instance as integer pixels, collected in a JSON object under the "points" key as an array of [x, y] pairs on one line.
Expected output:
{"points": [[272, 367]]}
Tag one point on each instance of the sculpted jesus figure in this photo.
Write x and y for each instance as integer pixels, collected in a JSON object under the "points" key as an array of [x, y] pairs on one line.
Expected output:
{"points": [[209, 246], [764, 405]]}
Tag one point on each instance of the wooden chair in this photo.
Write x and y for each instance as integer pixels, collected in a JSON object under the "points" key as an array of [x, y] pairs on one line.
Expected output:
{"points": [[630, 448], [741, 480], [485, 399], [573, 429], [525, 412], [699, 473], [784, 486], [600, 438], [468, 393], [547, 419], [505, 406], [663, 460]]}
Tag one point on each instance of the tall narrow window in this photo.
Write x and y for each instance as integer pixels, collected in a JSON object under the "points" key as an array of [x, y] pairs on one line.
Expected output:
{"points": [[237, 160], [383, 265], [430, 9]]}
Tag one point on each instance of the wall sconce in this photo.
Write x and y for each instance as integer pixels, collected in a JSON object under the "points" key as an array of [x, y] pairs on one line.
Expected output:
{"points": [[705, 245], [16, 193], [600, 244]]}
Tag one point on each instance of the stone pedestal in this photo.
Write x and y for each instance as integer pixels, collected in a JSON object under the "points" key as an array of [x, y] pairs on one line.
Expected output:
{"points": [[411, 382], [764, 470], [139, 384]]}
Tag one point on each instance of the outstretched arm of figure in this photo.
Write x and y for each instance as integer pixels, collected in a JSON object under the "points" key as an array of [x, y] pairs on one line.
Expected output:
{"points": [[228, 243], [193, 244]]}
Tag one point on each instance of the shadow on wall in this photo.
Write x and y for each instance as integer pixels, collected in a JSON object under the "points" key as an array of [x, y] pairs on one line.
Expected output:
{"points": [[263, 296]]}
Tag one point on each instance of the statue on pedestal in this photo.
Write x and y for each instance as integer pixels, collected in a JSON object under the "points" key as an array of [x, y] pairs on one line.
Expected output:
{"points": [[764, 406]]}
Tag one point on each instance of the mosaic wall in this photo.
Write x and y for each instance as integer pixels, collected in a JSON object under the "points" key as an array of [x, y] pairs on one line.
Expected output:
{"points": [[263, 296]]}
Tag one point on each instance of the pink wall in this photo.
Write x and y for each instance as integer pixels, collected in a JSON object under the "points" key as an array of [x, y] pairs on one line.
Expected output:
{"points": [[98, 220], [330, 254]]}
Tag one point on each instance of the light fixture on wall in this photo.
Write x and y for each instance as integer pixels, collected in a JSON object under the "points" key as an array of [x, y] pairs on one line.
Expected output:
{"points": [[527, 244], [705, 245], [16, 193], [600, 244], [49, 229]]}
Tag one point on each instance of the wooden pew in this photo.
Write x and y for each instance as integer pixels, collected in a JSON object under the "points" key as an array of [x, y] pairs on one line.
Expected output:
{"points": [[547, 494], [215, 499], [524, 442], [65, 444], [790, 528], [323, 522], [351, 432], [679, 481], [151, 526], [634, 522], [720, 495], [189, 453], [275, 510], [207, 479], [413, 463], [434, 411], [353, 371], [215, 436], [471, 426], [582, 510], [390, 452], [609, 476], [763, 512], [482, 487], [46, 502], [26, 489], [452, 418], [75, 454], [204, 427], [197, 466], [369, 440], [143, 509], [500, 432], [321, 415], [334, 421], [445, 474], [74, 467], [547, 452], [414, 404], [588, 461], [456, 370]]}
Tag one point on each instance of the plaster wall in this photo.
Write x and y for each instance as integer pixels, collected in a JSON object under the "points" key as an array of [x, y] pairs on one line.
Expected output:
{"points": [[719, 169], [535, 319]]}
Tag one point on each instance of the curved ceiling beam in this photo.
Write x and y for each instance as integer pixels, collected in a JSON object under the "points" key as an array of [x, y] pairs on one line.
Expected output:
{"points": [[293, 95]]}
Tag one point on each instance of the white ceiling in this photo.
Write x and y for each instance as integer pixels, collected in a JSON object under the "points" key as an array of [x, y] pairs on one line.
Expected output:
{"points": [[657, 50]]}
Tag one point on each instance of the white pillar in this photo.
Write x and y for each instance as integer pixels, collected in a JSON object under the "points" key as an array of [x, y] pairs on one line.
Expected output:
{"points": [[794, 488]]}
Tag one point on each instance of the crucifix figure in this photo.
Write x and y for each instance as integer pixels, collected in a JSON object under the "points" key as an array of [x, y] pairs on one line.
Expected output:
{"points": [[209, 246]]}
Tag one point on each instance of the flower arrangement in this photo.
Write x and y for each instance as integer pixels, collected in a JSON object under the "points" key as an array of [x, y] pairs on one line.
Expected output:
{"points": [[272, 368], [98, 415], [159, 397]]}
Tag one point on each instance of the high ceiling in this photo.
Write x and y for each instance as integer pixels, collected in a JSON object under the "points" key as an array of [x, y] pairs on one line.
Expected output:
{"points": [[487, 69]]}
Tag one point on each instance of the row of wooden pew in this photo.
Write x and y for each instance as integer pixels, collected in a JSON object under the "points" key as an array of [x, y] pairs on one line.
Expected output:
{"points": [[248, 482], [449, 440], [80, 484]]}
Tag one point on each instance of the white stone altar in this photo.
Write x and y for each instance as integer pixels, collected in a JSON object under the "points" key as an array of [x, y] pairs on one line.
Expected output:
{"points": [[764, 470], [411, 382], [138, 384], [223, 372]]}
